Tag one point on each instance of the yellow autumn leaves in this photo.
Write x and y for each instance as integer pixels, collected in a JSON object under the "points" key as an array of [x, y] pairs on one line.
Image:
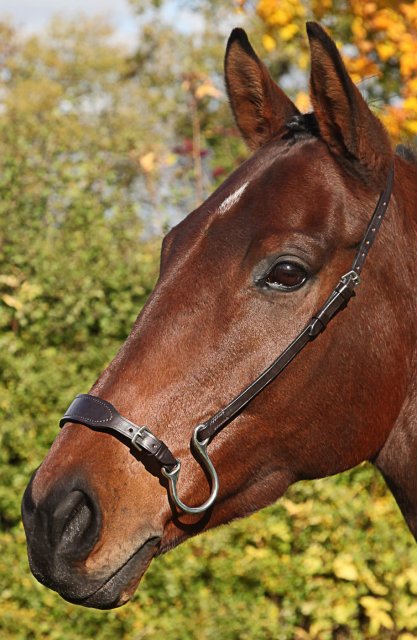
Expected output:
{"points": [[378, 41], [282, 14], [387, 33]]}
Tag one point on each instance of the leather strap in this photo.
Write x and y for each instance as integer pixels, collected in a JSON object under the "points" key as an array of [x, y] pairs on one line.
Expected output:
{"points": [[374, 223], [337, 301], [99, 414]]}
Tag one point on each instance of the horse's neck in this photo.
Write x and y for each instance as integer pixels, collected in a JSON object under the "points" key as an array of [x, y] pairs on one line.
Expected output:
{"points": [[407, 196], [397, 459], [405, 267], [402, 222]]}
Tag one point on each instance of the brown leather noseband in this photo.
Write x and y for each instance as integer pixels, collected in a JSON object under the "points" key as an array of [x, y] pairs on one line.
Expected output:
{"points": [[99, 414]]}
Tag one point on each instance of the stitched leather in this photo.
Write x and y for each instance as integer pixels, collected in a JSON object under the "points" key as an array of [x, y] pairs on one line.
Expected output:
{"points": [[337, 301], [98, 413], [374, 224]]}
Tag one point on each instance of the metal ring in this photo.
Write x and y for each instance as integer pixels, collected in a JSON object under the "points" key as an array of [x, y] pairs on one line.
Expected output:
{"points": [[172, 476]]}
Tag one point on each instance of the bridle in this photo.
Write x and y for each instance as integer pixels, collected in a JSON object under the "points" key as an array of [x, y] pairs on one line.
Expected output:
{"points": [[97, 413]]}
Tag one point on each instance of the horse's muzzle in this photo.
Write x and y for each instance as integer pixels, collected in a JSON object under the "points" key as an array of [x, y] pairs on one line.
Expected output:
{"points": [[61, 532]]}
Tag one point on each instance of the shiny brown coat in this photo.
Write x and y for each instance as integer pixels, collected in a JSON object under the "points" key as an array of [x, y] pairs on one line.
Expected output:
{"points": [[95, 514]]}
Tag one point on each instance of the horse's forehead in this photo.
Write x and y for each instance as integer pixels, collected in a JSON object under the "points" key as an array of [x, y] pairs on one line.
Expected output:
{"points": [[278, 175], [282, 186], [295, 184]]}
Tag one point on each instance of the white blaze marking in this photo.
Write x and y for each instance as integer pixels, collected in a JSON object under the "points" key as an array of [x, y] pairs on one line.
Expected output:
{"points": [[232, 199]]}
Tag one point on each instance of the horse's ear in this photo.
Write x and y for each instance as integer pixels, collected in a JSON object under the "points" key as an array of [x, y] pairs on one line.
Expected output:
{"points": [[260, 108], [345, 121]]}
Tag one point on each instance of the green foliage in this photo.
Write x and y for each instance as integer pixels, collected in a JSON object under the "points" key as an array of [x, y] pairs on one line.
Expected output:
{"points": [[331, 560], [86, 152], [74, 267]]}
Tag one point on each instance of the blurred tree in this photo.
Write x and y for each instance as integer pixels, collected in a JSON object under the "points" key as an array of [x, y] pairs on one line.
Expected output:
{"points": [[185, 72], [378, 39], [68, 179], [69, 138], [100, 151]]}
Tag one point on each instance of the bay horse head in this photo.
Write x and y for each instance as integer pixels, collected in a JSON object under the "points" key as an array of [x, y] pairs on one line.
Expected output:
{"points": [[241, 279]]}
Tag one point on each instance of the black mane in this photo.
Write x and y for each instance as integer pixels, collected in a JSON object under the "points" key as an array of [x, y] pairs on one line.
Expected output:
{"points": [[406, 152], [304, 123]]}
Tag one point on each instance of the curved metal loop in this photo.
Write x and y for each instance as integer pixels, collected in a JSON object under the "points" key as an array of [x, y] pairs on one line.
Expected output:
{"points": [[172, 476]]}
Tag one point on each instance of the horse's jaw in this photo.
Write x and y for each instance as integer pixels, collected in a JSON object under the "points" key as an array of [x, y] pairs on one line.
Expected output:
{"points": [[109, 592], [119, 588]]}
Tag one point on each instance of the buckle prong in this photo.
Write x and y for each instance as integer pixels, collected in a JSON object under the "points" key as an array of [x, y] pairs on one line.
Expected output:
{"points": [[140, 433]]}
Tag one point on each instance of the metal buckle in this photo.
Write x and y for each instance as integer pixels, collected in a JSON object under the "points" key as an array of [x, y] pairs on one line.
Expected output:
{"points": [[351, 276], [140, 433]]}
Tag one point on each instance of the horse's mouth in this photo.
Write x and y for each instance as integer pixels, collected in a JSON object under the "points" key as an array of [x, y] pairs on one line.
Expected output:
{"points": [[122, 584]]}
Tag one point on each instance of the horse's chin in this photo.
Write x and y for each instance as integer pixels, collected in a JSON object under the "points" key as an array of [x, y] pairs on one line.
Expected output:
{"points": [[121, 585]]}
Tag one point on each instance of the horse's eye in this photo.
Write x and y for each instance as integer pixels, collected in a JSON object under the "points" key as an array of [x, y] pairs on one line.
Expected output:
{"points": [[286, 276]]}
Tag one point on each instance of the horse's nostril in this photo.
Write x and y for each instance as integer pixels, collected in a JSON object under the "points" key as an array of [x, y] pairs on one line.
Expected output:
{"points": [[75, 523], [62, 529]]}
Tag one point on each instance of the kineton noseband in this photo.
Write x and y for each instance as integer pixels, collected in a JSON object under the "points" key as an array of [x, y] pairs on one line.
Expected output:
{"points": [[99, 414]]}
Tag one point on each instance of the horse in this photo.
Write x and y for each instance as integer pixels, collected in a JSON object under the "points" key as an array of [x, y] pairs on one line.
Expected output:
{"points": [[239, 279]]}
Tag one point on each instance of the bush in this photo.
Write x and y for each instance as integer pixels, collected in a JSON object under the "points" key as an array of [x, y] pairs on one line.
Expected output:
{"points": [[332, 560]]}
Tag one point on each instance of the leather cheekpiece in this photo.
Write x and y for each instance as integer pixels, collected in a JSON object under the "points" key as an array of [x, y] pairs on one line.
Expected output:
{"points": [[99, 414]]}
